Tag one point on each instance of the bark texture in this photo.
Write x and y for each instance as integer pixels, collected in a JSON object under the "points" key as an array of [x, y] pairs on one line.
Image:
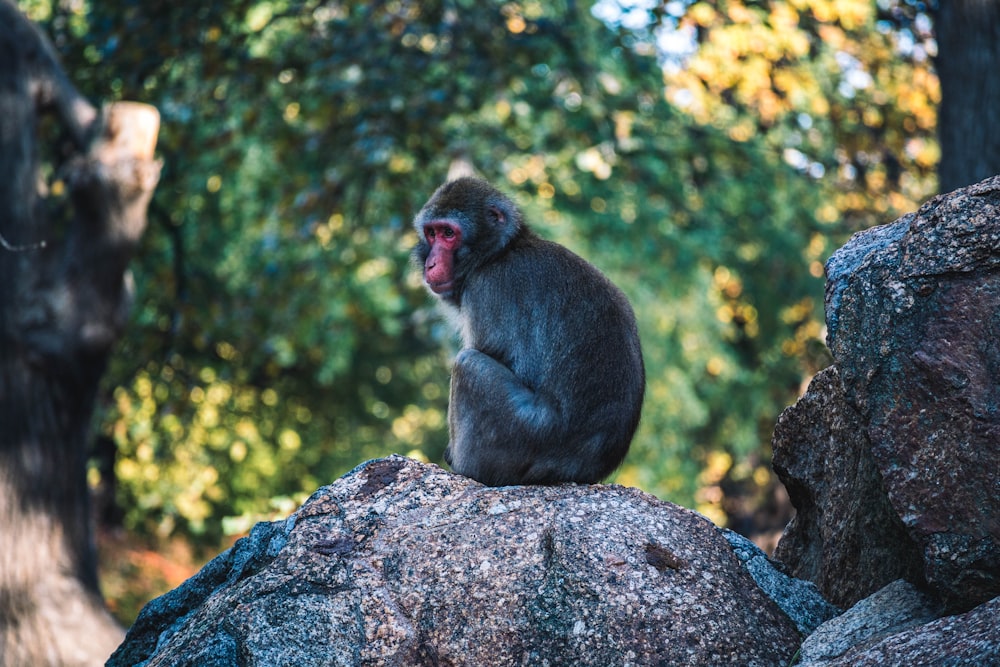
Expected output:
{"points": [[63, 301], [968, 36]]}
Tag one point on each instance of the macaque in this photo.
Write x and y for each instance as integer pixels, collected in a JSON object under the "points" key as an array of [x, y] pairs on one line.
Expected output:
{"points": [[550, 381]]}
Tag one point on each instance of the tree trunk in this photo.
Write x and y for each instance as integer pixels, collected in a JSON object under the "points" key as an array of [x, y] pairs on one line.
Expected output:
{"points": [[63, 302], [968, 36]]}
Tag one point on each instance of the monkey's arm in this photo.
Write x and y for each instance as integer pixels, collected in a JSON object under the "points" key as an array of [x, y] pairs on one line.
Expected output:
{"points": [[499, 426], [484, 381]]}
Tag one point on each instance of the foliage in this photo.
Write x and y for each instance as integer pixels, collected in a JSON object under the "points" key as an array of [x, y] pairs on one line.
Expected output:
{"points": [[281, 337], [132, 573], [843, 88]]}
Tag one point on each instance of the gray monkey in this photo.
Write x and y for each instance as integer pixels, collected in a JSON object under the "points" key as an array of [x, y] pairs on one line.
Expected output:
{"points": [[549, 384]]}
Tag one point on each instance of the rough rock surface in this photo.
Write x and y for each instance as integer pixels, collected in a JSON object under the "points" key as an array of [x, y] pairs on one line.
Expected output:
{"points": [[971, 639], [400, 563], [897, 607], [800, 600], [913, 314], [844, 523]]}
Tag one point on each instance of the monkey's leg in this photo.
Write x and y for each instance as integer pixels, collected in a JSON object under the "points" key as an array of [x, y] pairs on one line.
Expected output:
{"points": [[501, 430]]}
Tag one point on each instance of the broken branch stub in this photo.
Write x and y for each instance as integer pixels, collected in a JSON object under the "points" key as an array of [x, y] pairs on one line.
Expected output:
{"points": [[130, 129]]}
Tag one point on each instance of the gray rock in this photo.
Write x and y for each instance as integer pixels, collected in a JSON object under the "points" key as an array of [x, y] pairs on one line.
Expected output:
{"points": [[845, 535], [913, 314], [800, 600], [168, 613], [400, 563], [897, 607], [971, 639], [854, 256]]}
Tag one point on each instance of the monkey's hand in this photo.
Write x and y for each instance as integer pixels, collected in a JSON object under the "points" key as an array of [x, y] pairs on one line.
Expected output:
{"points": [[498, 423], [483, 387]]}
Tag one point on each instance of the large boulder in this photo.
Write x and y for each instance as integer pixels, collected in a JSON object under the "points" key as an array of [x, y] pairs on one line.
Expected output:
{"points": [[891, 459], [401, 563]]}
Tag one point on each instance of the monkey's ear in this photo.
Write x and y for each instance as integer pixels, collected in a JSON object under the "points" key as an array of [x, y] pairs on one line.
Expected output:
{"points": [[496, 216]]}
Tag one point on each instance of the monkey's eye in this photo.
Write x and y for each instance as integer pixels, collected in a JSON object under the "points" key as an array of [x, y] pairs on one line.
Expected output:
{"points": [[448, 233], [429, 233]]}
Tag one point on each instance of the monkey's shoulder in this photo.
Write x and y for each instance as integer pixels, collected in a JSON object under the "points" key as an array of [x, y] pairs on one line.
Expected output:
{"points": [[540, 280], [543, 264]]}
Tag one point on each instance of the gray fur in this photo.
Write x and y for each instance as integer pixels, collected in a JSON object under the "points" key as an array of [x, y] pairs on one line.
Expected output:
{"points": [[550, 383]]}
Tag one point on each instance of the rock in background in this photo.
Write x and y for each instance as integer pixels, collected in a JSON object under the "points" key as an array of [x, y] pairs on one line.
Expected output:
{"points": [[844, 523], [897, 627], [893, 457]]}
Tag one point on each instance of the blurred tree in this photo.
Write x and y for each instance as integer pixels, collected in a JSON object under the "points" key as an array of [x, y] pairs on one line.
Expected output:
{"points": [[842, 89], [64, 299], [842, 92], [968, 38]]}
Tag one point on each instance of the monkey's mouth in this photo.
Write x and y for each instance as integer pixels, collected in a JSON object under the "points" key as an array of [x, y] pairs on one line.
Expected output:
{"points": [[442, 288]]}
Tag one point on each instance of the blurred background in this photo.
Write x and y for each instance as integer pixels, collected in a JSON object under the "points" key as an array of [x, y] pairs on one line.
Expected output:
{"points": [[707, 156]]}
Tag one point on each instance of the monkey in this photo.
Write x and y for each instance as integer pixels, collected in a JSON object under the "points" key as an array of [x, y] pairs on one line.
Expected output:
{"points": [[549, 383]]}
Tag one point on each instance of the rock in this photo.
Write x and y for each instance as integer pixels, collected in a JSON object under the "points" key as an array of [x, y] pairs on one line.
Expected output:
{"points": [[400, 563], [800, 600], [897, 607], [166, 615], [913, 314], [845, 535], [966, 640]]}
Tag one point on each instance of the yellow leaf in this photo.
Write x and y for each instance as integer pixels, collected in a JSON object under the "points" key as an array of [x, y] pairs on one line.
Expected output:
{"points": [[703, 14]]}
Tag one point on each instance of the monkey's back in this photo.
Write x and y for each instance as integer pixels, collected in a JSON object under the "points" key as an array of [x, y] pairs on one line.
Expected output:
{"points": [[569, 334]]}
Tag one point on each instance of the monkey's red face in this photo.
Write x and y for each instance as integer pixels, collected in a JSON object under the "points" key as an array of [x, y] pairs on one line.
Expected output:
{"points": [[444, 237]]}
